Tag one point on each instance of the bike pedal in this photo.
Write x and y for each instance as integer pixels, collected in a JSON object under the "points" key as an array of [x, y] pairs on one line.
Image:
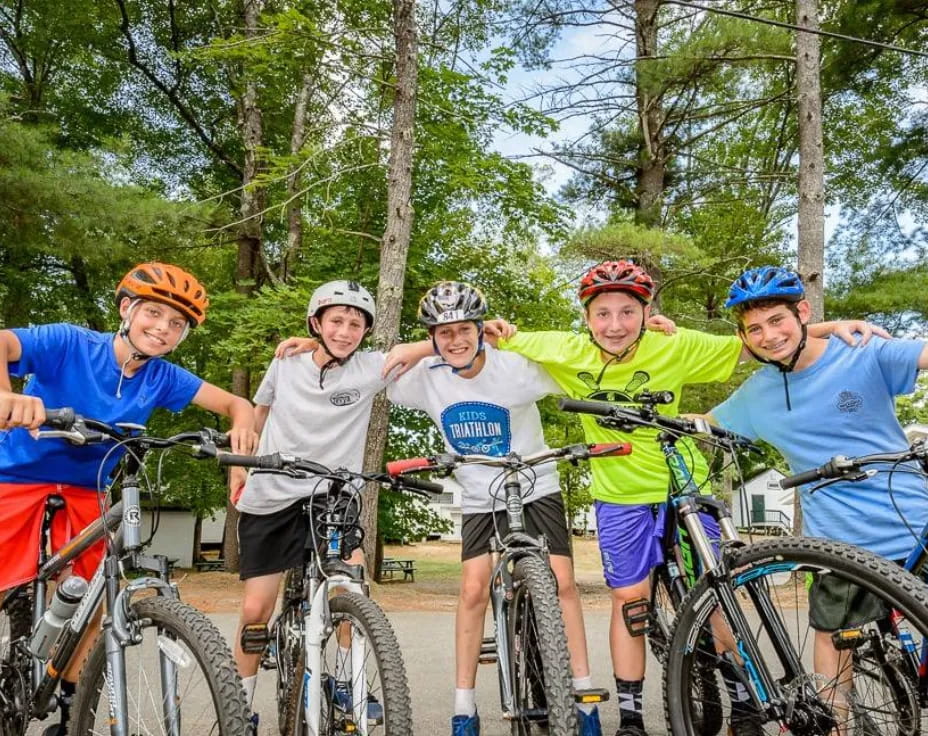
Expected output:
{"points": [[848, 639], [591, 695], [637, 615], [488, 651], [255, 638]]}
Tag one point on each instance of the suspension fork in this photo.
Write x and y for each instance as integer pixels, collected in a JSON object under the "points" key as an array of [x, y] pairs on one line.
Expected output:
{"points": [[500, 601]]}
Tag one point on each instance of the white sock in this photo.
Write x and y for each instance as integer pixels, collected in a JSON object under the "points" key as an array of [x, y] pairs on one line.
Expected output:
{"points": [[465, 702], [248, 685], [584, 683]]}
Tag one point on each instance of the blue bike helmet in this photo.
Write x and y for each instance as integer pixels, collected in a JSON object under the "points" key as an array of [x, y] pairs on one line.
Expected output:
{"points": [[766, 282]]}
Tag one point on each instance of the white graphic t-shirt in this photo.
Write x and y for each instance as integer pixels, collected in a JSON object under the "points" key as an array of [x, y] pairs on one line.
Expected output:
{"points": [[324, 421], [493, 413]]}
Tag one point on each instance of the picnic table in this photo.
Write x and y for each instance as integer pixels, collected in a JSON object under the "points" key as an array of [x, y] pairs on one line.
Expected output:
{"points": [[391, 565]]}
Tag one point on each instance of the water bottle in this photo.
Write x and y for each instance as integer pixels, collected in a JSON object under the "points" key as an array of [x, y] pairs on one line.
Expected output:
{"points": [[67, 596]]}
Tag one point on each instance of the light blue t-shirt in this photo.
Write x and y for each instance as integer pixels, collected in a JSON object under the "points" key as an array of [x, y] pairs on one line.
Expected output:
{"points": [[76, 367], [843, 404]]}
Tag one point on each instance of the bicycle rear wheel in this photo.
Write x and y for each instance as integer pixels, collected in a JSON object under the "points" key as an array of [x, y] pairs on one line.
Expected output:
{"points": [[841, 677], [207, 697], [15, 624], [364, 687], [539, 659]]}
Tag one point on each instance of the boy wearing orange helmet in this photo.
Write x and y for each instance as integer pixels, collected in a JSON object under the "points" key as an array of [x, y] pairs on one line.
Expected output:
{"points": [[110, 377]]}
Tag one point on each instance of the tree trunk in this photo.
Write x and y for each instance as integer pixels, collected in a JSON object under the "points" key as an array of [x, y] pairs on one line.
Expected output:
{"points": [[811, 157], [295, 208], [249, 241], [651, 173], [394, 247]]}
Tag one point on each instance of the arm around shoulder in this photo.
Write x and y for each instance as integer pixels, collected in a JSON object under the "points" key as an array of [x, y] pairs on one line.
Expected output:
{"points": [[923, 358]]}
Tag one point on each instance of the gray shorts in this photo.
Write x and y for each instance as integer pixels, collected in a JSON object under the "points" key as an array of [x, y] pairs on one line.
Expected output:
{"points": [[545, 516]]}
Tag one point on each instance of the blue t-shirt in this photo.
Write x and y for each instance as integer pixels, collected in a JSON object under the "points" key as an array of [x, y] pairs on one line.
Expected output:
{"points": [[843, 404], [76, 367]]}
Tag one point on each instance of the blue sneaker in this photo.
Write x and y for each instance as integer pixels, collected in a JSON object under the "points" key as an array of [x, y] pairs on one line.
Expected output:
{"points": [[589, 723], [465, 725], [341, 696]]}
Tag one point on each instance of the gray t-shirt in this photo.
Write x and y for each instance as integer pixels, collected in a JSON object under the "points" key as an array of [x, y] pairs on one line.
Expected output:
{"points": [[325, 424]]}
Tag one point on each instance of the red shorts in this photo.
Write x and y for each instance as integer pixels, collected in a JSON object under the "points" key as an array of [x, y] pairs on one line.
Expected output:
{"points": [[22, 506]]}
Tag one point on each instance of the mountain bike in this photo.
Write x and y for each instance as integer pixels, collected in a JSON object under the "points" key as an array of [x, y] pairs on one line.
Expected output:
{"points": [[752, 609], [888, 652], [339, 667], [529, 644], [160, 666], [673, 578]]}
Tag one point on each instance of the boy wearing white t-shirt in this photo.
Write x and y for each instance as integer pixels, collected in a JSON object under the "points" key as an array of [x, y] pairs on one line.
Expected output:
{"points": [[316, 405], [483, 401]]}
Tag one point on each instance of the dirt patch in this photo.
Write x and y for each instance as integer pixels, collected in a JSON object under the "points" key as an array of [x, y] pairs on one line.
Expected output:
{"points": [[437, 580]]}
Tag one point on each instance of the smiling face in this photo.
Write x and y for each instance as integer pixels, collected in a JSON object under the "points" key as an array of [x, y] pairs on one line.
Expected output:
{"points": [[457, 343], [774, 331], [341, 329], [154, 328], [615, 319]]}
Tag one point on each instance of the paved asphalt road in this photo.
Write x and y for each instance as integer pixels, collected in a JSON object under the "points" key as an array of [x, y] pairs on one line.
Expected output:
{"points": [[427, 642]]}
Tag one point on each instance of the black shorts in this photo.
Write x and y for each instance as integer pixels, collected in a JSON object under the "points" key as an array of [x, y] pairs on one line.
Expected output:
{"points": [[837, 603], [545, 516], [270, 543]]}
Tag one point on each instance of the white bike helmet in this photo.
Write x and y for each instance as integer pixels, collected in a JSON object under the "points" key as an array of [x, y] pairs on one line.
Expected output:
{"points": [[341, 294]]}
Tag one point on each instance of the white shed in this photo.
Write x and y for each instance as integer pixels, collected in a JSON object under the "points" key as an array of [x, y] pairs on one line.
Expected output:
{"points": [[763, 504], [448, 506]]}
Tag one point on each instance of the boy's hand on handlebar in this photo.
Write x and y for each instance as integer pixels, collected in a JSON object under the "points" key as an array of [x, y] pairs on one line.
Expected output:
{"points": [[296, 345], [243, 440], [660, 323], [19, 410]]}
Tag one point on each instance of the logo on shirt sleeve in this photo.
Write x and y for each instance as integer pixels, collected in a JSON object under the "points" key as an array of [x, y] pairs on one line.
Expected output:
{"points": [[478, 428]]}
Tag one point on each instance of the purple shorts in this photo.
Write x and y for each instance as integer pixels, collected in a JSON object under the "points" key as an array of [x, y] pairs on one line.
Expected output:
{"points": [[630, 540]]}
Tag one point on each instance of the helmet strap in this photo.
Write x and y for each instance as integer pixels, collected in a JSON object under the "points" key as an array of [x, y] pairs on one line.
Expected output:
{"points": [[786, 366]]}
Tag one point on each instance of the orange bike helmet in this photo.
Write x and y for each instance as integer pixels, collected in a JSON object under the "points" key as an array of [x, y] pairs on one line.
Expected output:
{"points": [[616, 276], [162, 282]]}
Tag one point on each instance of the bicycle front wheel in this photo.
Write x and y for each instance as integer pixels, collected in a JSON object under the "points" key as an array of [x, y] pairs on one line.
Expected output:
{"points": [[363, 678], [539, 661], [179, 679], [818, 614]]}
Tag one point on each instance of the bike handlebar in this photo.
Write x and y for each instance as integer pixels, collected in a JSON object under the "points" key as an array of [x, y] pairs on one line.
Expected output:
{"points": [[285, 463], [634, 418], [447, 462], [851, 468]]}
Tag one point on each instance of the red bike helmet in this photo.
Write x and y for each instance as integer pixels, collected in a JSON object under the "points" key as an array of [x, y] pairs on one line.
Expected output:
{"points": [[616, 276]]}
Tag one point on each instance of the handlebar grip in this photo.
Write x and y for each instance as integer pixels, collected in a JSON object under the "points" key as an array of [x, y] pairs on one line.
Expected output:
{"points": [[801, 479], [62, 419], [221, 440], [610, 449], [419, 484], [600, 408], [398, 467], [265, 462]]}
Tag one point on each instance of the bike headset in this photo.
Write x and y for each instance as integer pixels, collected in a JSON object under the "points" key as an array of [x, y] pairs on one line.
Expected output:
{"points": [[166, 284], [770, 283], [448, 302], [338, 294], [622, 275]]}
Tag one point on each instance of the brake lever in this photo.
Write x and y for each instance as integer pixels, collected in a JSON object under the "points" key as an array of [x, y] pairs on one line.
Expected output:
{"points": [[851, 477], [72, 436]]}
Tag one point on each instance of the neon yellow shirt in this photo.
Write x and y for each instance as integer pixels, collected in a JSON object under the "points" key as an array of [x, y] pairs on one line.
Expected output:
{"points": [[661, 363]]}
